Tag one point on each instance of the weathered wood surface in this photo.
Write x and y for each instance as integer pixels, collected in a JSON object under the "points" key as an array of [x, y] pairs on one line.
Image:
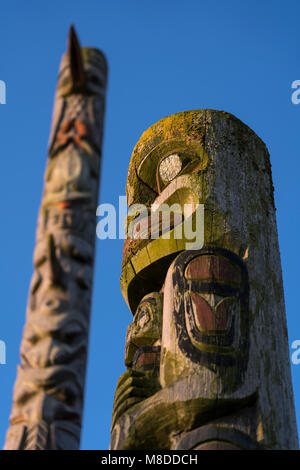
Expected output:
{"points": [[224, 378], [49, 390]]}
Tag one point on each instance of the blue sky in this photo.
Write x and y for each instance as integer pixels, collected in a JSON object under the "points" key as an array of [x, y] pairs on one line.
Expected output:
{"points": [[164, 56]]}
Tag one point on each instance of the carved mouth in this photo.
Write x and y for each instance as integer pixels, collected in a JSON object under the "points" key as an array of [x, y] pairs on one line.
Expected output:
{"points": [[171, 208], [146, 259], [147, 358], [179, 193], [155, 225]]}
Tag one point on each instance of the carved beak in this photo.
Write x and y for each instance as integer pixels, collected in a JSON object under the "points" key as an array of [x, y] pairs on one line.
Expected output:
{"points": [[76, 62]]}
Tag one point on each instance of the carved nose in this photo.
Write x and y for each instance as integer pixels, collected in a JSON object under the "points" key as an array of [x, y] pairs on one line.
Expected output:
{"points": [[55, 270]]}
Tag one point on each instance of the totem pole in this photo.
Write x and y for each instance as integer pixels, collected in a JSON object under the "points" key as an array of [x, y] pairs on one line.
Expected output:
{"points": [[207, 352], [49, 390]]}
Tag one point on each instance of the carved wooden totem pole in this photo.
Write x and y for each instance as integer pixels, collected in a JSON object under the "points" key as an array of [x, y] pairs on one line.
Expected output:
{"points": [[207, 352], [49, 390]]}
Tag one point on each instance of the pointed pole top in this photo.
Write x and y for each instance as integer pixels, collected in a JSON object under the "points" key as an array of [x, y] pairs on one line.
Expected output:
{"points": [[76, 62]]}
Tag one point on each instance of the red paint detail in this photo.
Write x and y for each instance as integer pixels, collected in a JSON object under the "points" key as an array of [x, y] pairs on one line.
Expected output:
{"points": [[204, 316], [213, 268], [81, 128], [147, 358], [144, 232], [223, 314], [72, 130], [63, 205], [126, 246], [208, 319], [155, 224]]}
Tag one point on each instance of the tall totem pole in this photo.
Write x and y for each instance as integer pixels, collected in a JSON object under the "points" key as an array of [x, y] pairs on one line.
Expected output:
{"points": [[207, 352], [49, 390]]}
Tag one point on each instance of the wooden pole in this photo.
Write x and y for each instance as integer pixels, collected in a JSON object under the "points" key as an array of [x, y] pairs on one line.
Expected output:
{"points": [[207, 353], [49, 390]]}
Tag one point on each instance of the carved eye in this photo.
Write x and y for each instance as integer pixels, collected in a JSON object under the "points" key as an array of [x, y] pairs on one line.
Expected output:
{"points": [[166, 162], [170, 167], [143, 317]]}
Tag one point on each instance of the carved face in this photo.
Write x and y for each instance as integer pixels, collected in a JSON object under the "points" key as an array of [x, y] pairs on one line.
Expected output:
{"points": [[79, 101], [60, 289], [215, 304], [64, 275], [142, 350], [166, 170], [82, 70], [69, 178], [208, 308]]}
